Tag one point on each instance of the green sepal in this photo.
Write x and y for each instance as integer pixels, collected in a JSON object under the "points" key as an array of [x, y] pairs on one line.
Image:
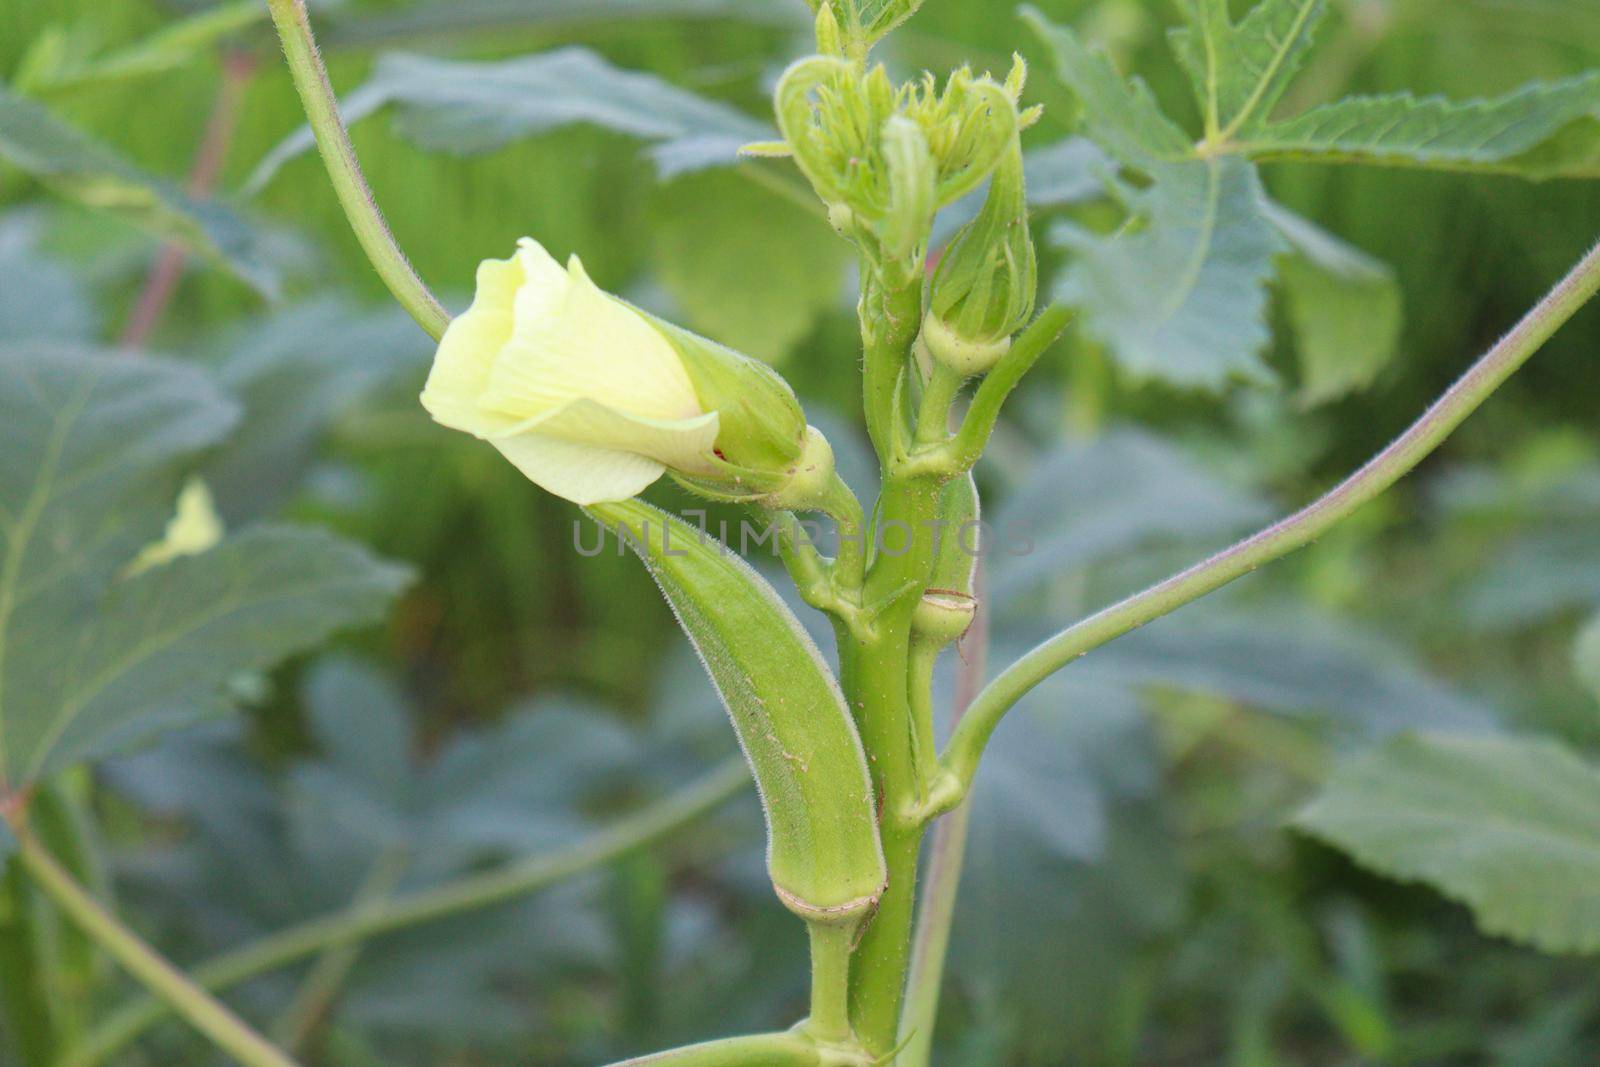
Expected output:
{"points": [[762, 427], [823, 847]]}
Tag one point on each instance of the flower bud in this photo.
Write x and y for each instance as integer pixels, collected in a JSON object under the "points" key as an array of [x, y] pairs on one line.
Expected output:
{"points": [[594, 400], [942, 616], [986, 283], [948, 607]]}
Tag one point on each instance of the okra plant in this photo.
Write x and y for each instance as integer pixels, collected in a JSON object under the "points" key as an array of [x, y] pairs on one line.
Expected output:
{"points": [[596, 400]]}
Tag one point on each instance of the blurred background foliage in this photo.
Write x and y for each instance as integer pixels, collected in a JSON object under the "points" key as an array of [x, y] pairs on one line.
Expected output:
{"points": [[1134, 894]]}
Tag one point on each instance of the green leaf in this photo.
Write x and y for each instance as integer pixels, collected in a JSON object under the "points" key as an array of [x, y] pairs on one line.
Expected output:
{"points": [[168, 48], [823, 852], [1344, 305], [761, 289], [91, 450], [427, 23], [81, 169], [1240, 71], [1543, 130], [1508, 826], [1183, 297], [466, 108], [41, 297], [296, 372], [1121, 116], [1586, 656]]}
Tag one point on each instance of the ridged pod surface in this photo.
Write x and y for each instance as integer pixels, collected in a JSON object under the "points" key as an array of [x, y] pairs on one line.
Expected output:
{"points": [[823, 848]]}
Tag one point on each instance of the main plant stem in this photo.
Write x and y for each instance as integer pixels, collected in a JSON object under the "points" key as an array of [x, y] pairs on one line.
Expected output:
{"points": [[225, 1029], [879, 685]]}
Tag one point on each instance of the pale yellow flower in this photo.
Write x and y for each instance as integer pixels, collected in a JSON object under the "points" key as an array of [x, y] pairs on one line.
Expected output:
{"points": [[589, 397]]}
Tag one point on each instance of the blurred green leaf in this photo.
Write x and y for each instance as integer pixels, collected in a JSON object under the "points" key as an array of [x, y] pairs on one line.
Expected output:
{"points": [[1586, 656], [41, 298], [90, 660], [1508, 826], [760, 291], [465, 108], [295, 373], [186, 40], [429, 22], [1145, 492], [79, 168], [1120, 115], [1344, 307], [1240, 71], [1543, 130]]}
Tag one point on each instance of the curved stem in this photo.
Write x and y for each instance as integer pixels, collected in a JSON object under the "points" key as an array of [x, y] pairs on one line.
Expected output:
{"points": [[333, 141], [331, 969], [1298, 530], [468, 894], [202, 1011], [758, 1050], [966, 448]]}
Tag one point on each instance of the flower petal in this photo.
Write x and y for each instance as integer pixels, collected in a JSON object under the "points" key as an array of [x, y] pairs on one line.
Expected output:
{"points": [[582, 474], [683, 444], [468, 350], [593, 346]]}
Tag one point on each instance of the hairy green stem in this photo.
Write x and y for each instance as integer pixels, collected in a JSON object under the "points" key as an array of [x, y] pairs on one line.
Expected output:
{"points": [[468, 894], [878, 685], [339, 156], [1294, 532], [182, 995], [830, 982]]}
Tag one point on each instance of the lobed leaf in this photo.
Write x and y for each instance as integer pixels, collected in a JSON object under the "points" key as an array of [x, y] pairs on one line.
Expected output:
{"points": [[1180, 295], [468, 107], [79, 168], [1183, 297], [1120, 115], [1509, 827], [92, 447], [1240, 71], [1543, 130]]}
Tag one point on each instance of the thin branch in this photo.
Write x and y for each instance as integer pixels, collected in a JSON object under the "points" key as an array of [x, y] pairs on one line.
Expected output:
{"points": [[355, 196], [472, 893], [962, 452], [1387, 468], [329, 972], [930, 943], [180, 994], [162, 281]]}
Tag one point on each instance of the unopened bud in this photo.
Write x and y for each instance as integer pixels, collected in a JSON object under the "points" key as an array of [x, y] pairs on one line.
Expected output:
{"points": [[986, 284]]}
